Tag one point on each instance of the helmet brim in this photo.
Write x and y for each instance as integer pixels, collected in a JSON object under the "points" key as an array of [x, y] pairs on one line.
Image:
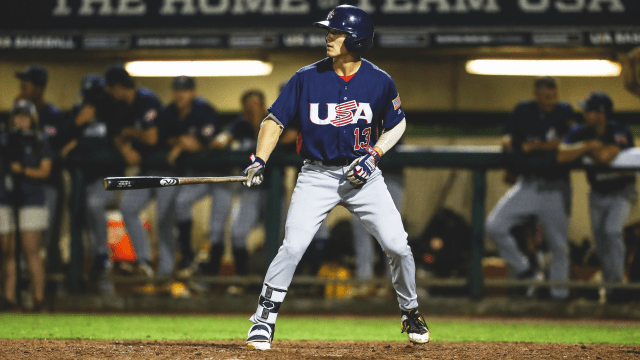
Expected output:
{"points": [[322, 24]]}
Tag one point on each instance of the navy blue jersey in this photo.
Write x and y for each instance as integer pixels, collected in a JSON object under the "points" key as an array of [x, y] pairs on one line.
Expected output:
{"points": [[51, 121], [201, 122], [527, 123], [32, 150], [338, 119], [615, 134], [243, 134], [141, 115], [97, 136]]}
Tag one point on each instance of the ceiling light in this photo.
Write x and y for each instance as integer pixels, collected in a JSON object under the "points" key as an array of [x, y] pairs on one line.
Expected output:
{"points": [[543, 67], [199, 68]]}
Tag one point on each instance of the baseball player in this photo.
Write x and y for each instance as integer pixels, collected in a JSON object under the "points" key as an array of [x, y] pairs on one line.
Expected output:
{"points": [[612, 193], [349, 114], [94, 124], [240, 135], [631, 71], [28, 158], [535, 129], [33, 81], [189, 123], [137, 139], [189, 132], [177, 124]]}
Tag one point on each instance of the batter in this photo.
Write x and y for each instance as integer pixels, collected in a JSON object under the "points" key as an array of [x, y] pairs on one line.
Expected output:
{"points": [[341, 105]]}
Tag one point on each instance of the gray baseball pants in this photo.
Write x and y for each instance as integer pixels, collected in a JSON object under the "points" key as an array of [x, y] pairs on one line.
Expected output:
{"points": [[97, 201], [318, 190], [550, 202], [608, 215], [132, 203]]}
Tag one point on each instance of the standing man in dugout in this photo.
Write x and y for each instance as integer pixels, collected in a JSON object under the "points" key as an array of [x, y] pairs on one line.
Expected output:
{"points": [[187, 125], [137, 139], [612, 193], [350, 115], [192, 124], [173, 121], [94, 123], [535, 130]]}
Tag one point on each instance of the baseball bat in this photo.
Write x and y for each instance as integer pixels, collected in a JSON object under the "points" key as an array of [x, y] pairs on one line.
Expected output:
{"points": [[147, 182]]}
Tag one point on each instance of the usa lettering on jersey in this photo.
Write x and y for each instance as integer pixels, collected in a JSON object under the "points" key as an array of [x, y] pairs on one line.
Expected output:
{"points": [[341, 114]]}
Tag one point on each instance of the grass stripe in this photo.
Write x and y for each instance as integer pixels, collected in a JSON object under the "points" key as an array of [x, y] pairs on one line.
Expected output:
{"points": [[227, 327]]}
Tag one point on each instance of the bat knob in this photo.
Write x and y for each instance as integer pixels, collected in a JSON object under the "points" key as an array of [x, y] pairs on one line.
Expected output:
{"points": [[105, 183]]}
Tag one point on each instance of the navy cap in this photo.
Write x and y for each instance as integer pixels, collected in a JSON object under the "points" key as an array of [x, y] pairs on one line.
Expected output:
{"points": [[598, 101], [118, 75], [24, 107], [92, 84], [183, 82], [35, 74]]}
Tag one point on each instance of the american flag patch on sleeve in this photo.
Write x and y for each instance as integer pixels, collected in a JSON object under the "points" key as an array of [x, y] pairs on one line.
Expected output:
{"points": [[396, 102]]}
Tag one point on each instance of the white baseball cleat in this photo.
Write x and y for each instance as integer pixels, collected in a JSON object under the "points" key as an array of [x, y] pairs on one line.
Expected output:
{"points": [[260, 336], [416, 328], [258, 345]]}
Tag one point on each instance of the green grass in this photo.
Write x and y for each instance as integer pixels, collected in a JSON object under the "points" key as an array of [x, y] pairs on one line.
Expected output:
{"points": [[227, 327]]}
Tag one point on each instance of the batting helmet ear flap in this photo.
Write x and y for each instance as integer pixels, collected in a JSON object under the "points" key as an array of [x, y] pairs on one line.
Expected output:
{"points": [[361, 45], [353, 21]]}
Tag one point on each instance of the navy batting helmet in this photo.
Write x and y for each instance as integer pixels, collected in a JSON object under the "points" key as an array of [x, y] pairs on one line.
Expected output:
{"points": [[355, 22]]}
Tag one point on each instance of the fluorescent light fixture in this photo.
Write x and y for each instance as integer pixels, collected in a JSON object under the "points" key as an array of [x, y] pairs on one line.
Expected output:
{"points": [[543, 67], [199, 68]]}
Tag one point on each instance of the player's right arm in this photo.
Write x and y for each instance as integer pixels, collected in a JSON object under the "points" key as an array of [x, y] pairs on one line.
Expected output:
{"points": [[270, 131], [268, 138]]}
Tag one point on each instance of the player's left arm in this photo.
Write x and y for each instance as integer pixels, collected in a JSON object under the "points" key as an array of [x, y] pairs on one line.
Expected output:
{"points": [[148, 136], [608, 152], [549, 145], [390, 138], [605, 154]]}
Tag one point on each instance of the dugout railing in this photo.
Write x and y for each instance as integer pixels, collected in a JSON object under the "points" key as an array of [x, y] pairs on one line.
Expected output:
{"points": [[478, 159]]}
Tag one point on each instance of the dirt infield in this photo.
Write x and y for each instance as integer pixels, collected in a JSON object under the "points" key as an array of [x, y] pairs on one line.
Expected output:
{"points": [[85, 349]]}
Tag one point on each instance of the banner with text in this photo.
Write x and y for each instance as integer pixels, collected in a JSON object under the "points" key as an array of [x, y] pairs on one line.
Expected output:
{"points": [[127, 15]]}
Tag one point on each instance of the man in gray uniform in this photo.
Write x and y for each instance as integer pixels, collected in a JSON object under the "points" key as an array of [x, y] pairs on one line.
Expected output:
{"points": [[612, 193], [189, 130], [172, 122], [91, 132], [534, 131]]}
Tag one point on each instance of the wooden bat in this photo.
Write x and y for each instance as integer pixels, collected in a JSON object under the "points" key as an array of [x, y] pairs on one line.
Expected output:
{"points": [[147, 182]]}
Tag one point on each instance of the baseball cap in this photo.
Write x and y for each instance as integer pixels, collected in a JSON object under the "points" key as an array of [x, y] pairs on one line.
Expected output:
{"points": [[183, 82], [91, 84], [118, 75], [598, 101], [24, 107], [35, 74]]}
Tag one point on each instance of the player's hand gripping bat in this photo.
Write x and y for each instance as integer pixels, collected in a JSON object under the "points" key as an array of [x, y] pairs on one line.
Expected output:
{"points": [[147, 182]]}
